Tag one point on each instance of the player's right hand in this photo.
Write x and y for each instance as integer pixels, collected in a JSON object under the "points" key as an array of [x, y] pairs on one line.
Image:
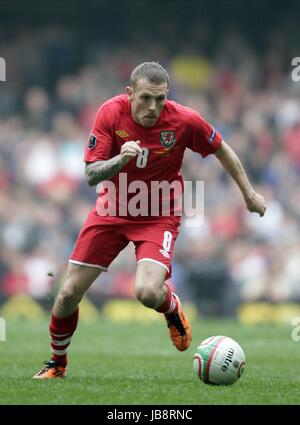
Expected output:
{"points": [[129, 150]]}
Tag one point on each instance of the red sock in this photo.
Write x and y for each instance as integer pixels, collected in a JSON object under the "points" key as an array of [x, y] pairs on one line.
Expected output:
{"points": [[170, 305], [61, 331]]}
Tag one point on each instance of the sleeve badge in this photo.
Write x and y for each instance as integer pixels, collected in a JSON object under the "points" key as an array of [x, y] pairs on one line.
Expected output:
{"points": [[92, 141]]}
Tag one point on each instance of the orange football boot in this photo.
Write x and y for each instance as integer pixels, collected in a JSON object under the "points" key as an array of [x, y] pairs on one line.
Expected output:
{"points": [[179, 328], [51, 370]]}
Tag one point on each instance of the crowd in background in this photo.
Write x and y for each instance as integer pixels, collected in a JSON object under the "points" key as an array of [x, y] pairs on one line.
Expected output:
{"points": [[47, 107]]}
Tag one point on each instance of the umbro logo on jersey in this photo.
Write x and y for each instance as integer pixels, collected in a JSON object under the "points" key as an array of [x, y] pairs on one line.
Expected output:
{"points": [[167, 138], [122, 133]]}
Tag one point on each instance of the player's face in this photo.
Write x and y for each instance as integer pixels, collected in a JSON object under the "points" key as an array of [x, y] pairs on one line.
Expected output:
{"points": [[147, 101]]}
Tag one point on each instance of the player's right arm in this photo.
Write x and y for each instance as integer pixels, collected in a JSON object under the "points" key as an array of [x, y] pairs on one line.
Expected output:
{"points": [[98, 171], [100, 165]]}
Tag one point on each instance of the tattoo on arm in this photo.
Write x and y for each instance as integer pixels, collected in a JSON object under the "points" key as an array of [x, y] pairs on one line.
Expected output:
{"points": [[98, 171]]}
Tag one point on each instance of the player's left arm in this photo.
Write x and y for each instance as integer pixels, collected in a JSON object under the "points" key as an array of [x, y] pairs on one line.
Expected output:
{"points": [[231, 163]]}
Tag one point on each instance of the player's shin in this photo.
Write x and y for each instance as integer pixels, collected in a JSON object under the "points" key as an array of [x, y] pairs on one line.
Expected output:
{"points": [[179, 327], [170, 304], [61, 331]]}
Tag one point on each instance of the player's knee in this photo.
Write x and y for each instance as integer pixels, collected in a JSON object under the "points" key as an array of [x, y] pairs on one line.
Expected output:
{"points": [[69, 294], [149, 296]]}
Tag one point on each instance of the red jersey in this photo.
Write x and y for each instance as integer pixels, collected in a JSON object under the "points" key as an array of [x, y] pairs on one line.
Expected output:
{"points": [[163, 145]]}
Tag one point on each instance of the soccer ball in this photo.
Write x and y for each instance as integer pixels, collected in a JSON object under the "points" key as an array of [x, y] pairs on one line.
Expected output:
{"points": [[219, 360]]}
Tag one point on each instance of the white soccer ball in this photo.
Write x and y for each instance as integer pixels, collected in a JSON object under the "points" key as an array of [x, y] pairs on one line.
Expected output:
{"points": [[219, 360]]}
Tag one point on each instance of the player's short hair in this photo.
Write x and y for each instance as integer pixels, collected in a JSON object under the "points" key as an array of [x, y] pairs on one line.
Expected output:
{"points": [[149, 71]]}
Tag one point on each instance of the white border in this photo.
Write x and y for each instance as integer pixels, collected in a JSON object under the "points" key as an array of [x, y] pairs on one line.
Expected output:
{"points": [[89, 265], [154, 261]]}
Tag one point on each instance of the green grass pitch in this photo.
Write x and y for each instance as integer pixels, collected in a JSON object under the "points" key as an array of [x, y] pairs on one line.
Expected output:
{"points": [[113, 363]]}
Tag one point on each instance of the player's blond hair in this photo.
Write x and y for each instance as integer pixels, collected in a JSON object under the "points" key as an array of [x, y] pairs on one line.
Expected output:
{"points": [[149, 71]]}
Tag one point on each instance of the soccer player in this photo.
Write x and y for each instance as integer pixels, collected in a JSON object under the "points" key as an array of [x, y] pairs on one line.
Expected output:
{"points": [[140, 136]]}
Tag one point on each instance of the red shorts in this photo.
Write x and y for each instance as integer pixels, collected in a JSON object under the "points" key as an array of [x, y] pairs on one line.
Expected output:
{"points": [[102, 238]]}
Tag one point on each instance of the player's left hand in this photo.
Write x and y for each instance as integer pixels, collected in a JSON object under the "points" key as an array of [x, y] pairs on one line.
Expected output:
{"points": [[256, 203]]}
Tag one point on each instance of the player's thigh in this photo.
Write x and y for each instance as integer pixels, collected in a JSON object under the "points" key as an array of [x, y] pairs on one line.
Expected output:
{"points": [[79, 279], [149, 275], [154, 247], [98, 243]]}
